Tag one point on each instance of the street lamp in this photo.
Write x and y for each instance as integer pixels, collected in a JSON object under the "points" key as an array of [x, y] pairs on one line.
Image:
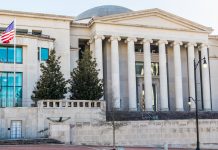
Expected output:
{"points": [[196, 99]]}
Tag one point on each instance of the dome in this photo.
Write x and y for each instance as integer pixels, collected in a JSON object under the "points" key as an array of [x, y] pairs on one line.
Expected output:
{"points": [[100, 11]]}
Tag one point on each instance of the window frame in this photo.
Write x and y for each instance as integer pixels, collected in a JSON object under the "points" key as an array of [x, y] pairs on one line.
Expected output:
{"points": [[7, 58], [40, 54], [141, 63], [7, 86]]}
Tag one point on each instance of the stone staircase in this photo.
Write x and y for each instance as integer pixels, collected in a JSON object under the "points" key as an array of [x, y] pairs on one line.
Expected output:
{"points": [[29, 141]]}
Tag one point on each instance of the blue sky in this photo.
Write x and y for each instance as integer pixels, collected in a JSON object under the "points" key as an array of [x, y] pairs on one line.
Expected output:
{"points": [[204, 12]]}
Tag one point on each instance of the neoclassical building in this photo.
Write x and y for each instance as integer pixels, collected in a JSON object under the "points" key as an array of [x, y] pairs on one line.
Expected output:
{"points": [[146, 58]]}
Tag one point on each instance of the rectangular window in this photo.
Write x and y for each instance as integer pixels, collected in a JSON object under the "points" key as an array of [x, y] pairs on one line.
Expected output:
{"points": [[7, 89], [21, 31], [140, 69], [7, 54], [43, 54], [37, 32]]}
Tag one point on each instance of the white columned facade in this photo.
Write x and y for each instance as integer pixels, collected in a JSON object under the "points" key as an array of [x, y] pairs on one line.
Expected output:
{"points": [[205, 79], [178, 76], [163, 75], [115, 73], [147, 75], [191, 75], [98, 54], [131, 74]]}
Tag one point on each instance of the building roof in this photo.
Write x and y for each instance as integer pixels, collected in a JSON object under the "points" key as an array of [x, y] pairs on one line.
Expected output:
{"points": [[35, 15], [100, 11]]}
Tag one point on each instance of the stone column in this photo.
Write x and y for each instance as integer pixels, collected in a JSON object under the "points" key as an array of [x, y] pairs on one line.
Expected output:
{"points": [[147, 75], [205, 79], [115, 73], [131, 74], [91, 44], [163, 75], [98, 54], [178, 76], [191, 76]]}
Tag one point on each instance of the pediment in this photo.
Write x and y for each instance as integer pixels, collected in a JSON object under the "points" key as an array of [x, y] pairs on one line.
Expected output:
{"points": [[155, 18]]}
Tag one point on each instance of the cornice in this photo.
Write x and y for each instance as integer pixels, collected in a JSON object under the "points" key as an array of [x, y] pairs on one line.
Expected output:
{"points": [[158, 12], [35, 15], [146, 26], [213, 37], [36, 37], [82, 25]]}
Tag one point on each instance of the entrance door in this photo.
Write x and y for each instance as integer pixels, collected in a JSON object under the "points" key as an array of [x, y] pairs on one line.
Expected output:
{"points": [[140, 94], [16, 129]]}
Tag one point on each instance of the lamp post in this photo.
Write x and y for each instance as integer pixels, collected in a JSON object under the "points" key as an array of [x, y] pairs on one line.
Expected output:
{"points": [[196, 99]]}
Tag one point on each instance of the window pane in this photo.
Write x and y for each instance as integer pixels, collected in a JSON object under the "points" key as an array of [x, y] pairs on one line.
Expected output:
{"points": [[3, 54], [10, 95], [4, 79], [139, 68], [18, 96], [7, 54], [7, 89], [155, 69], [18, 79], [3, 97], [44, 54], [10, 79], [19, 55], [10, 55]]}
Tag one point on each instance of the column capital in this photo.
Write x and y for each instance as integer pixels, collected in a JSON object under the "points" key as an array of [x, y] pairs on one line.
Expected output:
{"points": [[203, 45], [177, 43], [90, 41], [144, 41], [162, 42], [99, 37], [191, 44], [129, 39], [112, 38]]}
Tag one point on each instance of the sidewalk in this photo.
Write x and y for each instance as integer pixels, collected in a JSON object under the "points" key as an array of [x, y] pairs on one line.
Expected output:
{"points": [[70, 147]]}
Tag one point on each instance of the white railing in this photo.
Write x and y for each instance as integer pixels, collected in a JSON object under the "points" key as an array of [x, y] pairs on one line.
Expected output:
{"points": [[71, 104]]}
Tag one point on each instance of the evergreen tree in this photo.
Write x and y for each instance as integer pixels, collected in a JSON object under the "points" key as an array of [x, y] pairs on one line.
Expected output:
{"points": [[51, 84], [85, 84]]}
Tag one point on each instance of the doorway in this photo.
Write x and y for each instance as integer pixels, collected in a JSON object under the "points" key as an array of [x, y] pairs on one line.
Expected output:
{"points": [[16, 129], [141, 94]]}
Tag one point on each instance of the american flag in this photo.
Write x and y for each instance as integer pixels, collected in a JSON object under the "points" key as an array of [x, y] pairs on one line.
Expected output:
{"points": [[8, 34]]}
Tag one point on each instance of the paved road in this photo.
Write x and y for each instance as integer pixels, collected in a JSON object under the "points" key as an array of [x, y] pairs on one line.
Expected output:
{"points": [[66, 147]]}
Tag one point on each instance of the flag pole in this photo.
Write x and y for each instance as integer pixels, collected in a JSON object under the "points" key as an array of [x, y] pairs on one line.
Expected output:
{"points": [[14, 95]]}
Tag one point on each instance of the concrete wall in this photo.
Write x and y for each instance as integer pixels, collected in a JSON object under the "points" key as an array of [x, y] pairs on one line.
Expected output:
{"points": [[86, 125], [37, 120], [176, 133]]}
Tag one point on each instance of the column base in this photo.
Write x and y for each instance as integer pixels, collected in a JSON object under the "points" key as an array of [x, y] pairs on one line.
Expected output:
{"points": [[132, 109], [164, 109], [179, 109], [149, 109]]}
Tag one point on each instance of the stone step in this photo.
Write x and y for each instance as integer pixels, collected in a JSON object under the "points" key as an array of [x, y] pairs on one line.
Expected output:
{"points": [[29, 141]]}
